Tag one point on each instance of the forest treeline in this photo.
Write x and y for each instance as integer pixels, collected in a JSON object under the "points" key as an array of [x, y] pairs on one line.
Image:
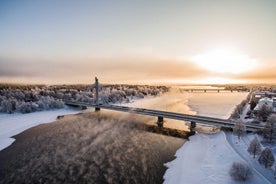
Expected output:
{"points": [[31, 98]]}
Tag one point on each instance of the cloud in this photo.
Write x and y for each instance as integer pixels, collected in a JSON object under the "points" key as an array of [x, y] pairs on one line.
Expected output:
{"points": [[266, 73], [109, 69]]}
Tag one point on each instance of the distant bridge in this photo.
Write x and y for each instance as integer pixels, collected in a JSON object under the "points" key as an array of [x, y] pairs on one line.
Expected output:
{"points": [[194, 119], [204, 90]]}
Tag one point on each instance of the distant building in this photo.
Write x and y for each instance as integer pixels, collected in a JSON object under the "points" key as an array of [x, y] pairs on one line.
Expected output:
{"points": [[265, 101], [258, 97], [260, 94], [274, 102]]}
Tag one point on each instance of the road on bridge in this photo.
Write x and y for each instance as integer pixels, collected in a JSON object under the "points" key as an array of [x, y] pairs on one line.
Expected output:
{"points": [[170, 115]]}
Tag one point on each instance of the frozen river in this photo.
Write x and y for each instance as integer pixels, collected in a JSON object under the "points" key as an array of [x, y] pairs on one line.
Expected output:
{"points": [[150, 148]]}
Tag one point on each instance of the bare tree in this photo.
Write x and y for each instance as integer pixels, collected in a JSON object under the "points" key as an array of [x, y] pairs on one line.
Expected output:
{"points": [[270, 128], [254, 147], [239, 128], [266, 158], [240, 171]]}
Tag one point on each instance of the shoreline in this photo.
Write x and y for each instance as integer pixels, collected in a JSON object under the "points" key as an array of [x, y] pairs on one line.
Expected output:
{"points": [[13, 124]]}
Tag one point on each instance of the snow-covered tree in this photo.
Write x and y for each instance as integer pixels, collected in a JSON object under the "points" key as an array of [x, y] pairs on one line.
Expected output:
{"points": [[238, 110], [239, 128], [8, 105], [270, 128], [252, 104], [254, 147], [27, 107], [240, 171], [30, 98], [266, 158], [264, 112], [235, 114]]}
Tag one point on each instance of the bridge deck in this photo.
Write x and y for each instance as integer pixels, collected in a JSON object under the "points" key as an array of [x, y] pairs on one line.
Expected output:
{"points": [[170, 115]]}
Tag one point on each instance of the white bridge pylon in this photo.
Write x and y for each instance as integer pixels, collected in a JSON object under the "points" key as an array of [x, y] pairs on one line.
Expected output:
{"points": [[96, 84]]}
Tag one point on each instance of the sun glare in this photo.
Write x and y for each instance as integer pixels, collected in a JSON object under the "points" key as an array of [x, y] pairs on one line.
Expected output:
{"points": [[225, 61], [219, 80]]}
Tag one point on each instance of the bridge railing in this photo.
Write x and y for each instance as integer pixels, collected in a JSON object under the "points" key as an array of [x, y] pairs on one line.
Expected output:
{"points": [[166, 114]]}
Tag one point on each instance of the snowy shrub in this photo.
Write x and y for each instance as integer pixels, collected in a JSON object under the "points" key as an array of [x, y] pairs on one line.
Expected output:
{"points": [[239, 128], [254, 147], [266, 158], [240, 171]]}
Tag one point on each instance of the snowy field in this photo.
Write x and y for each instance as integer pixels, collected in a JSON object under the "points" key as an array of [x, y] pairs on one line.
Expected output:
{"points": [[13, 124], [207, 158]]}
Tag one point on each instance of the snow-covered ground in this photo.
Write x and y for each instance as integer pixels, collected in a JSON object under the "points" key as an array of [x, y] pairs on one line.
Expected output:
{"points": [[206, 159], [240, 147], [12, 124], [203, 159]]}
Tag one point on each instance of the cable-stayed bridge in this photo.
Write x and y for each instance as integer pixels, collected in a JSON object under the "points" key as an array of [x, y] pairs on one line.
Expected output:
{"points": [[194, 119]]}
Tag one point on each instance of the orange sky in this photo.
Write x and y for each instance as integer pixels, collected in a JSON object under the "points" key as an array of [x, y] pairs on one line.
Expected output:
{"points": [[143, 42], [132, 70]]}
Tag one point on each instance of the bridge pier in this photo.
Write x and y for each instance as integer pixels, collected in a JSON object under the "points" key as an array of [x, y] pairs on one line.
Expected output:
{"points": [[97, 109], [160, 121], [83, 107], [192, 127]]}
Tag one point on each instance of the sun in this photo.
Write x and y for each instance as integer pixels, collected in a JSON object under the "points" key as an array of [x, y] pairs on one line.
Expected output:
{"points": [[225, 61]]}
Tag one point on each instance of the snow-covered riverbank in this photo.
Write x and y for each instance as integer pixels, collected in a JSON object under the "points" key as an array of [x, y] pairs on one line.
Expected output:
{"points": [[207, 158], [12, 124]]}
